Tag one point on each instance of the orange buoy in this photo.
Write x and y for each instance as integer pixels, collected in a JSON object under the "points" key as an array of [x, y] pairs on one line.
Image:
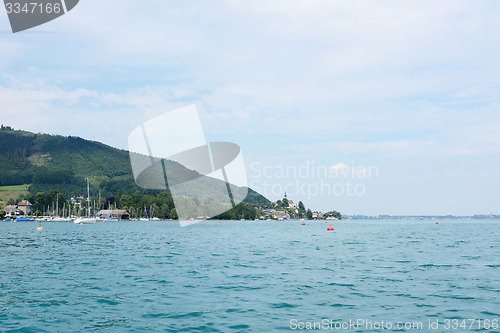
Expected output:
{"points": [[330, 228], [39, 228], [303, 223], [81, 223]]}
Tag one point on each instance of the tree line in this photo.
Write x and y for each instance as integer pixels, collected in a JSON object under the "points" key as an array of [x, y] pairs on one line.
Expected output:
{"points": [[159, 205]]}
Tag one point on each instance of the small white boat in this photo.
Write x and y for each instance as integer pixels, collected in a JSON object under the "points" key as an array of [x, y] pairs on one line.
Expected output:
{"points": [[61, 219], [85, 220]]}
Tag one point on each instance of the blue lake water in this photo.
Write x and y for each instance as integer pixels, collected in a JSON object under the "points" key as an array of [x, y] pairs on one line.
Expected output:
{"points": [[247, 276]]}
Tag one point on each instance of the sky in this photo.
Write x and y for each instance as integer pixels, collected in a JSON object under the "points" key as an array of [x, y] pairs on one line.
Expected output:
{"points": [[365, 107]]}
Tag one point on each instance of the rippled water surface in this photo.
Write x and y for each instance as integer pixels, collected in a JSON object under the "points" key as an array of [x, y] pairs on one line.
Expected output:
{"points": [[244, 276]]}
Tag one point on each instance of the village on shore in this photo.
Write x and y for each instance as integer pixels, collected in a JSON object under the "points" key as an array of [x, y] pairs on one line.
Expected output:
{"points": [[284, 209]]}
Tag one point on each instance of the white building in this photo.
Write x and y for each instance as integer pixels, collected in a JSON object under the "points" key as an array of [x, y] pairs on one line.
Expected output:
{"points": [[25, 206]]}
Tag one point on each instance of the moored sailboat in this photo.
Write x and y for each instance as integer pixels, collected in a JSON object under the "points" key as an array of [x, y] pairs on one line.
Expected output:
{"points": [[57, 218], [88, 219]]}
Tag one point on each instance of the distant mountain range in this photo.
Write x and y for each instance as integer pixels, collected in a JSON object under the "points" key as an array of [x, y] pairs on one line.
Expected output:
{"points": [[53, 162]]}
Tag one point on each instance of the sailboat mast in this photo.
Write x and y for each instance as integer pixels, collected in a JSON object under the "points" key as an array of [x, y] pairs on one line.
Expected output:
{"points": [[88, 198]]}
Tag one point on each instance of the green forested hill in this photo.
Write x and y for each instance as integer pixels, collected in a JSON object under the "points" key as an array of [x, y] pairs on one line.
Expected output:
{"points": [[60, 163]]}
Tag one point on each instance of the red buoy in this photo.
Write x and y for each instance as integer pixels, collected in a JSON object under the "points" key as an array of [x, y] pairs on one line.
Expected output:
{"points": [[303, 223], [330, 228], [81, 223], [437, 222]]}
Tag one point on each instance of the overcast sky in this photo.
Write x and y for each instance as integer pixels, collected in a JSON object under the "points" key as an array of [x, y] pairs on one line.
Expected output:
{"points": [[397, 100]]}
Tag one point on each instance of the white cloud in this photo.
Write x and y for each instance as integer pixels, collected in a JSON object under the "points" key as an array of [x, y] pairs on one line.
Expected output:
{"points": [[339, 168]]}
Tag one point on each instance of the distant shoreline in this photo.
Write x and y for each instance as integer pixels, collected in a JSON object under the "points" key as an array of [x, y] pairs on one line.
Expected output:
{"points": [[417, 217]]}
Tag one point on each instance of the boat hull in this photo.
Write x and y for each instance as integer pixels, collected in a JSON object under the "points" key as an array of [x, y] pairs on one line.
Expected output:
{"points": [[85, 220], [60, 220]]}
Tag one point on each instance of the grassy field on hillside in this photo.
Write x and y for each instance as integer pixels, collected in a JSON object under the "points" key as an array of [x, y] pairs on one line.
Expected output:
{"points": [[14, 188], [11, 192]]}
